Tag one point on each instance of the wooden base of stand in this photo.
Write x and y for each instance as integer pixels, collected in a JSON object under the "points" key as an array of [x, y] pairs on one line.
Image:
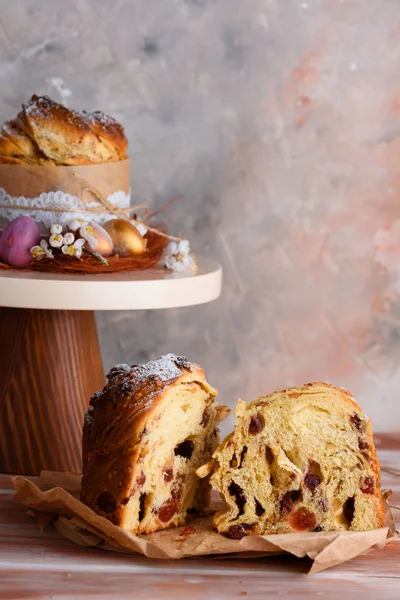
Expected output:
{"points": [[50, 364]]}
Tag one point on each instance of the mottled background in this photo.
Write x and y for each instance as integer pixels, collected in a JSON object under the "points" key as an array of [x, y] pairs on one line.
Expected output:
{"points": [[279, 123]]}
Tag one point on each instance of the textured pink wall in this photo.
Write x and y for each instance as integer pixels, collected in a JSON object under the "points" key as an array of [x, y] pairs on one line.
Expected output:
{"points": [[279, 123]]}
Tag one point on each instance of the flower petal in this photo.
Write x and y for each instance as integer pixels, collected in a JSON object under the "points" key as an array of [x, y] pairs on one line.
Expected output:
{"points": [[56, 229], [75, 224], [56, 240], [68, 238], [184, 247], [37, 252]]}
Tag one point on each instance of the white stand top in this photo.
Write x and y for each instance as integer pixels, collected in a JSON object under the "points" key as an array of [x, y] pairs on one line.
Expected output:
{"points": [[138, 290]]}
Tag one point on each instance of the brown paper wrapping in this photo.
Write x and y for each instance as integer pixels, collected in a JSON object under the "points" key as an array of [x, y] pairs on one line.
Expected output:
{"points": [[55, 498], [31, 181], [91, 184]]}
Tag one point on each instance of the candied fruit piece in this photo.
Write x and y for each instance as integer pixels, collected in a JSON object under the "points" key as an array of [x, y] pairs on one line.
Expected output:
{"points": [[167, 510], [302, 520]]}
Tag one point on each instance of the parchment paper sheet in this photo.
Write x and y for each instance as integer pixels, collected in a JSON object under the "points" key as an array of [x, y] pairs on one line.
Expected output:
{"points": [[55, 498]]}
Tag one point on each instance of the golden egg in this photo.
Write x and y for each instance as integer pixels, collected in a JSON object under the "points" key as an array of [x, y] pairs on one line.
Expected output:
{"points": [[126, 238]]}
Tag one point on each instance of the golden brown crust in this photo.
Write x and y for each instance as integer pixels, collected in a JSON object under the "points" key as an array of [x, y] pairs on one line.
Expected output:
{"points": [[109, 131], [129, 396], [116, 435], [46, 132]]}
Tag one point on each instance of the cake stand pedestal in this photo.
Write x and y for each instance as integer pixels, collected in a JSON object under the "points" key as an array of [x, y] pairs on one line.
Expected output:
{"points": [[50, 361]]}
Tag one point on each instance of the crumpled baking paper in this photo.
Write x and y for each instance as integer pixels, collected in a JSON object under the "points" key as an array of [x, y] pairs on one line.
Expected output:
{"points": [[54, 498]]}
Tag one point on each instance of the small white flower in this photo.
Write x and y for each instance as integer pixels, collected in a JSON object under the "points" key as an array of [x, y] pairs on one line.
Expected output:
{"points": [[56, 229], [74, 249], [39, 252], [68, 238], [56, 240], [75, 224], [179, 258], [142, 229], [45, 247]]}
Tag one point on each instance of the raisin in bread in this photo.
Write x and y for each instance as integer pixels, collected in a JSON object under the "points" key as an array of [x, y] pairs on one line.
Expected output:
{"points": [[144, 437], [299, 460]]}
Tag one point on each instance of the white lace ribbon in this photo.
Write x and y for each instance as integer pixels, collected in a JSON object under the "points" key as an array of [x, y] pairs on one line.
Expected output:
{"points": [[59, 207]]}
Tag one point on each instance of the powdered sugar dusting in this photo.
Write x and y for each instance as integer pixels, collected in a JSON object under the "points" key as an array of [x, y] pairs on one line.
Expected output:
{"points": [[165, 368], [102, 118]]}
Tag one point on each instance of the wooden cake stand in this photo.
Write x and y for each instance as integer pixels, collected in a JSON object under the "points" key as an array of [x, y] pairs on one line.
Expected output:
{"points": [[50, 361]]}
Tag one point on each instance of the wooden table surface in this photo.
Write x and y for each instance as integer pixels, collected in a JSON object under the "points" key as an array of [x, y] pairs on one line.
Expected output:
{"points": [[46, 565]]}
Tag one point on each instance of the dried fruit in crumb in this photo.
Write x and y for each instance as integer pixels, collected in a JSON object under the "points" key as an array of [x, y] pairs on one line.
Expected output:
{"points": [[167, 510], [312, 481], [168, 475], [368, 485], [355, 419], [256, 424], [141, 480], [237, 532], [302, 520]]}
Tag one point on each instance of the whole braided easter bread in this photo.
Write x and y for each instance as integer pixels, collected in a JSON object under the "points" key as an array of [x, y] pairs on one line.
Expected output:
{"points": [[47, 133]]}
